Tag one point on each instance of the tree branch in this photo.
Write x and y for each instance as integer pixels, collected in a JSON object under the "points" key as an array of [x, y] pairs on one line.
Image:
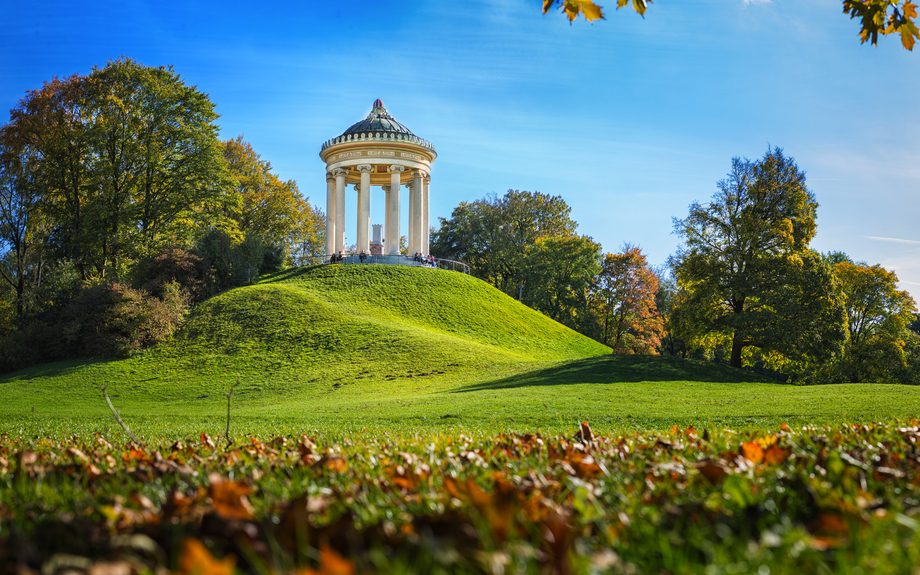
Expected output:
{"points": [[105, 394]]}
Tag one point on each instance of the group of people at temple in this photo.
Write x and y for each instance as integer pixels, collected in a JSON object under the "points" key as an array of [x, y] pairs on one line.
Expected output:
{"points": [[426, 261]]}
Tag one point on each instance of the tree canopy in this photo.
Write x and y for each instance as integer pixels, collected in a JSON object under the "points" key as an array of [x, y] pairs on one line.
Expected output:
{"points": [[270, 208], [875, 16], [123, 157], [492, 234], [746, 269], [624, 310], [878, 319]]}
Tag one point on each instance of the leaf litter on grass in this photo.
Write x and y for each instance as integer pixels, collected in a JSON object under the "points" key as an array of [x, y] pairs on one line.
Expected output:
{"points": [[683, 501]]}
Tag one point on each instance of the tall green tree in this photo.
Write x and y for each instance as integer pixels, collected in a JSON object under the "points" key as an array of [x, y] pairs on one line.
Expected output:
{"points": [[492, 235], [747, 271], [21, 224], [125, 157], [557, 276], [878, 320], [270, 208]]}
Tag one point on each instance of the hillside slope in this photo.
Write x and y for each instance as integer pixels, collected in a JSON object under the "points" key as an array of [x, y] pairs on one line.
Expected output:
{"points": [[346, 318], [313, 331]]}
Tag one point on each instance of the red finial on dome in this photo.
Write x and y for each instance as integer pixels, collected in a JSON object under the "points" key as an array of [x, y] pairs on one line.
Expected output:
{"points": [[378, 103]]}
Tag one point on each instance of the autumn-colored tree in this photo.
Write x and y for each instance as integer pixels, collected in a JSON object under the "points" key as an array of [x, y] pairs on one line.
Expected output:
{"points": [[557, 276], [746, 269], [875, 16], [623, 304], [492, 235], [878, 316], [270, 208]]}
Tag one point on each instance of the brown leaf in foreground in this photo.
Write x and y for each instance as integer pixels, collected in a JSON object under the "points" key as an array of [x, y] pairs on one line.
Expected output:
{"points": [[197, 560], [229, 498], [330, 563], [714, 471]]}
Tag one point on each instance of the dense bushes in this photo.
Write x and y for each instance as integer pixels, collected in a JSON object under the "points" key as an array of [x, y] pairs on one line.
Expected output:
{"points": [[113, 319], [235, 264], [104, 319], [174, 265]]}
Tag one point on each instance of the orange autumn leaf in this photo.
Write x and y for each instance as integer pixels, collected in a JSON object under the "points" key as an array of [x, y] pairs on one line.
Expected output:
{"points": [[775, 455], [752, 451], [573, 8], [197, 560], [330, 563], [229, 498]]}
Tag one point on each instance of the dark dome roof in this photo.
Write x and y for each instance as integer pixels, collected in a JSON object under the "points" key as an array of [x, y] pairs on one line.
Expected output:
{"points": [[379, 120], [379, 125]]}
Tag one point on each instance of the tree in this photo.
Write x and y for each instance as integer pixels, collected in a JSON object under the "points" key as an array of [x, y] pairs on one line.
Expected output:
{"points": [[747, 271], [20, 221], [623, 301], [878, 318], [876, 16], [270, 208], [124, 157], [557, 276], [491, 235]]}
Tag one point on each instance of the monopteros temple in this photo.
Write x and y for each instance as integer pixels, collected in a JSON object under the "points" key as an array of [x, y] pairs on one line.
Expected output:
{"points": [[378, 151]]}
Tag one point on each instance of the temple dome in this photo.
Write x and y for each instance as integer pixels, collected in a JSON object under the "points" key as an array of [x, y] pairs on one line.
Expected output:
{"points": [[379, 120]]}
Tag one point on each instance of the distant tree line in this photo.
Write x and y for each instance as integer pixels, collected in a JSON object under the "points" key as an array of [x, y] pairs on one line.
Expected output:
{"points": [[745, 288], [120, 208]]}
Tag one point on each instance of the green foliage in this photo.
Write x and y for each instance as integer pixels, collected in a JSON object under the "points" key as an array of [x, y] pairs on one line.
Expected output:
{"points": [[114, 320], [174, 265], [747, 272], [884, 17], [271, 209], [124, 159], [492, 235], [878, 316], [557, 276]]}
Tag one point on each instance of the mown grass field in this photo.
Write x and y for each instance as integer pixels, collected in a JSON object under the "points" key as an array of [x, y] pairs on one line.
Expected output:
{"points": [[339, 349]]}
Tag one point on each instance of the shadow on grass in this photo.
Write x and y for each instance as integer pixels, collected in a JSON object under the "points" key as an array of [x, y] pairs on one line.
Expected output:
{"points": [[623, 369], [54, 369]]}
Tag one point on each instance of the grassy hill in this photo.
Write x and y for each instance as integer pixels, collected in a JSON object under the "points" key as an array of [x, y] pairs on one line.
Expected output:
{"points": [[343, 349]]}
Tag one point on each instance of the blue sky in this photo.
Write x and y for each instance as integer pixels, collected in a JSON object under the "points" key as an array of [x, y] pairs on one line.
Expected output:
{"points": [[628, 119]]}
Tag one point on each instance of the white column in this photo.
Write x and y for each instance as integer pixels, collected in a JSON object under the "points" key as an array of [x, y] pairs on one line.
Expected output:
{"points": [[386, 219], [393, 210], [330, 214], [364, 208], [339, 174], [425, 232], [415, 214]]}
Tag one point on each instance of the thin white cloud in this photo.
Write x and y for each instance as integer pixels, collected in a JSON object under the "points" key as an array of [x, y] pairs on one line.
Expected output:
{"points": [[907, 282], [895, 240], [746, 2]]}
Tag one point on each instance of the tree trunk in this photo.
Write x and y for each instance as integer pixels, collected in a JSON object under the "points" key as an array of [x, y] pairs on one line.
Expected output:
{"points": [[737, 345]]}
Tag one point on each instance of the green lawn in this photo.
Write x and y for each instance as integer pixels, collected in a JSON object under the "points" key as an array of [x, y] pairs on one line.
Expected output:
{"points": [[340, 349]]}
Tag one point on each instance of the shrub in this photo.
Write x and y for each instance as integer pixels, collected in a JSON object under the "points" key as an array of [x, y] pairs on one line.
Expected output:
{"points": [[216, 246], [35, 343], [111, 319], [174, 265]]}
